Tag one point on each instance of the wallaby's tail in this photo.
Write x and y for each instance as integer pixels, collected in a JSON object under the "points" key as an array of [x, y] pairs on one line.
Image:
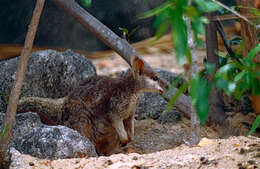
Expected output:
{"points": [[46, 108]]}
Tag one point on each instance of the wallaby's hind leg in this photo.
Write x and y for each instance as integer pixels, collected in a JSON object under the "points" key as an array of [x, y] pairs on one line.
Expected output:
{"points": [[120, 129], [129, 126]]}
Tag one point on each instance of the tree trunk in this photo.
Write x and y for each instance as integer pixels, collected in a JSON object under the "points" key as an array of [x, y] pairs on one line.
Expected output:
{"points": [[216, 112], [16, 90]]}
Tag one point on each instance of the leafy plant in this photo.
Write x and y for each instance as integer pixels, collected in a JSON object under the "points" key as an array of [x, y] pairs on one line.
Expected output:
{"points": [[235, 76], [172, 14]]}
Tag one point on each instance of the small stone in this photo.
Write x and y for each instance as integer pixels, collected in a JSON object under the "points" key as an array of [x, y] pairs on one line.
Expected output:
{"points": [[135, 158], [242, 151], [251, 161], [31, 164], [204, 160], [109, 162]]}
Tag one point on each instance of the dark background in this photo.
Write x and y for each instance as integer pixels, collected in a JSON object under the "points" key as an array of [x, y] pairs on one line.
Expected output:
{"points": [[57, 29]]}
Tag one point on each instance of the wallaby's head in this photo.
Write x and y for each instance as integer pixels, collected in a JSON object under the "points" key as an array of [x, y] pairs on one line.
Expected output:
{"points": [[147, 79]]}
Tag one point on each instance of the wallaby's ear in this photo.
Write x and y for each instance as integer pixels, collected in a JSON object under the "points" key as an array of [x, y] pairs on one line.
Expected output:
{"points": [[137, 65]]}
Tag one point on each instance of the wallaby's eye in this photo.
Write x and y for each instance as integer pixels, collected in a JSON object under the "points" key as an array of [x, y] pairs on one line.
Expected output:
{"points": [[155, 78]]}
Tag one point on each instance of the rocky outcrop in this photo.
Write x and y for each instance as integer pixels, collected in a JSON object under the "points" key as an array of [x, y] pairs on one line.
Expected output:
{"points": [[50, 74], [55, 142], [32, 137]]}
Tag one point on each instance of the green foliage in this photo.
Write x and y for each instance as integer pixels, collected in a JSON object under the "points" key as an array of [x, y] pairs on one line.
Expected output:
{"points": [[236, 77], [86, 3], [255, 125], [126, 33], [3, 132], [199, 92], [172, 14], [175, 96]]}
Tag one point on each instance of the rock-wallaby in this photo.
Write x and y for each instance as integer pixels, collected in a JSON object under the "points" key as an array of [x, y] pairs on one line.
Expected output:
{"points": [[102, 108]]}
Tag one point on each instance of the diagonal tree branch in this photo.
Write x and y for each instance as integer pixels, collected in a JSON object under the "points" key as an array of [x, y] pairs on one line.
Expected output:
{"points": [[18, 83], [121, 46]]}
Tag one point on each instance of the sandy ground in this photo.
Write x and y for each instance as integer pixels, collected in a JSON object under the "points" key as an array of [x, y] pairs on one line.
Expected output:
{"points": [[234, 152]]}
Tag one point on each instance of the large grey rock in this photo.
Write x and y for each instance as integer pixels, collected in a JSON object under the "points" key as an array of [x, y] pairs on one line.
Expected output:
{"points": [[55, 142], [50, 74], [32, 137], [152, 105], [24, 123]]}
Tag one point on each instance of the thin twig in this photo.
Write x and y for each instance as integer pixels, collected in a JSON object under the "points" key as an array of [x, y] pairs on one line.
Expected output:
{"points": [[236, 13], [224, 39], [230, 17]]}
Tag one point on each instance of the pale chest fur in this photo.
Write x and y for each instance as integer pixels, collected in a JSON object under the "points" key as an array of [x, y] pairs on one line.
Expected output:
{"points": [[124, 106], [133, 103]]}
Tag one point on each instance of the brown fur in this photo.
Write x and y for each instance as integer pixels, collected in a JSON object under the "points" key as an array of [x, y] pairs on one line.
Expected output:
{"points": [[98, 106]]}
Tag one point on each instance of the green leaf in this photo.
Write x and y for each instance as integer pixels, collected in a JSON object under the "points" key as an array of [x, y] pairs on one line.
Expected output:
{"points": [[239, 76], [188, 56], [155, 11], [240, 48], [231, 87], [133, 31], [199, 92], [256, 86], [86, 3], [123, 30], [221, 83], [253, 52], [180, 37], [224, 70], [240, 89], [198, 26], [161, 18], [207, 6], [173, 84], [255, 125], [222, 54], [175, 97], [210, 67], [3, 132], [191, 11], [256, 74], [256, 12], [162, 29]]}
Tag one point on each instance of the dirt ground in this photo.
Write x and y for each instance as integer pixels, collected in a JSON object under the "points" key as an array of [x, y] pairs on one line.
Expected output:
{"points": [[161, 145]]}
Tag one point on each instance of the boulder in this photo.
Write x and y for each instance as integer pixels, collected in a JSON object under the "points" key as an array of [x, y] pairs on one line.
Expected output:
{"points": [[55, 142], [50, 74], [32, 137], [24, 123]]}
